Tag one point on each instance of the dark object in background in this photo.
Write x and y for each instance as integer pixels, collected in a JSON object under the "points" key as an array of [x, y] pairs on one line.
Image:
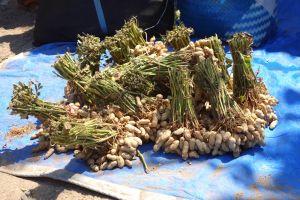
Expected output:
{"points": [[31, 5], [226, 17], [61, 21]]}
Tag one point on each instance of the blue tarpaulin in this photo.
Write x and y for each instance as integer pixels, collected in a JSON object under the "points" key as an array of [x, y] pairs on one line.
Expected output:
{"points": [[268, 172]]}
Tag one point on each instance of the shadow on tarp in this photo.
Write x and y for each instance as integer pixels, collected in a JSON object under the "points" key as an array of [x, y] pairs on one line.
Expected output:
{"points": [[55, 48]]}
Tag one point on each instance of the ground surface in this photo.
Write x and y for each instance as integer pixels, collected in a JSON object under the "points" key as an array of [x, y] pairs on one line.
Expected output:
{"points": [[16, 28], [14, 188]]}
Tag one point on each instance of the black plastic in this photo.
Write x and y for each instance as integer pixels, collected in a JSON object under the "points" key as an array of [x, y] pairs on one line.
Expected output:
{"points": [[63, 20]]}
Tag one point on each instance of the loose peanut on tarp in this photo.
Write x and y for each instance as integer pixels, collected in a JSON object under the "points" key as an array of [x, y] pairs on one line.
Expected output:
{"points": [[49, 153], [273, 124], [37, 134]]}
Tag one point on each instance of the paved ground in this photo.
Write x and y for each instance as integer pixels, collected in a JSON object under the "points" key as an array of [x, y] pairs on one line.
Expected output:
{"points": [[16, 27]]}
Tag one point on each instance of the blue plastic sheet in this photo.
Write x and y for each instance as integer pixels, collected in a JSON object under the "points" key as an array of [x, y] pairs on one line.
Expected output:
{"points": [[267, 172]]}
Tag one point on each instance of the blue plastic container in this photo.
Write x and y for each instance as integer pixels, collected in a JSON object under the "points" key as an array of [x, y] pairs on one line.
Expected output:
{"points": [[226, 17]]}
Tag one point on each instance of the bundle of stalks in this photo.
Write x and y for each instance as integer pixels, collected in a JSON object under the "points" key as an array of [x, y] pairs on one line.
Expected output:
{"points": [[216, 44], [78, 78], [106, 90], [132, 31], [141, 74], [118, 48], [213, 86], [97, 89], [88, 133], [128, 37], [181, 85], [25, 102], [179, 37], [136, 82], [244, 79], [89, 50]]}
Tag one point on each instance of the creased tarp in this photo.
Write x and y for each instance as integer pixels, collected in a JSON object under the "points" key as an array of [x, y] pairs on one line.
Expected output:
{"points": [[265, 172]]}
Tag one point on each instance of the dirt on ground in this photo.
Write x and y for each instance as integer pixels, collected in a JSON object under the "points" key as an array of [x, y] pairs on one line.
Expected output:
{"points": [[16, 36], [16, 29], [14, 188]]}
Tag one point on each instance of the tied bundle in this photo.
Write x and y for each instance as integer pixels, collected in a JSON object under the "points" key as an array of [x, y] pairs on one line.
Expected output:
{"points": [[25, 102], [244, 79]]}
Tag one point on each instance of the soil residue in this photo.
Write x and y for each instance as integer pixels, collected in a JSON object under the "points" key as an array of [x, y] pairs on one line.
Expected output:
{"points": [[20, 131]]}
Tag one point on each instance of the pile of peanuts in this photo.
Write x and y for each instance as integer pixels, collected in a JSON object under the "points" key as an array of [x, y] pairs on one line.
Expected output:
{"points": [[185, 142], [201, 50], [151, 48], [153, 124]]}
